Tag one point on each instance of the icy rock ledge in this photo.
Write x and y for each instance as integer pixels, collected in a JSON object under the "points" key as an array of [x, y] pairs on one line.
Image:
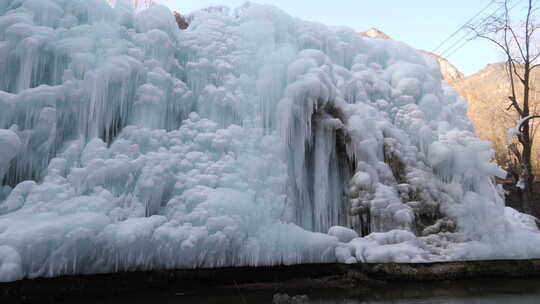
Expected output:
{"points": [[396, 246]]}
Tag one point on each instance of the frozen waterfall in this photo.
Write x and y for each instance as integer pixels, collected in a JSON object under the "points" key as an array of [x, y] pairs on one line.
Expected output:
{"points": [[251, 138]]}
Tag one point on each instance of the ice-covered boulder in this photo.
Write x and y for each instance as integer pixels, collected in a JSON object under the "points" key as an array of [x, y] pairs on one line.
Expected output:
{"points": [[343, 234]]}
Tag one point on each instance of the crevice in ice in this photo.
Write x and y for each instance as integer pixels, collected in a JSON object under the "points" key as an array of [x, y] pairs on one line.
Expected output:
{"points": [[428, 218], [110, 133], [394, 162], [322, 171]]}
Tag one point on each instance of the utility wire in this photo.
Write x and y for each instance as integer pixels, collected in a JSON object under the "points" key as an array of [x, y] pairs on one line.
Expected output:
{"points": [[464, 25], [468, 27], [466, 39], [452, 52]]}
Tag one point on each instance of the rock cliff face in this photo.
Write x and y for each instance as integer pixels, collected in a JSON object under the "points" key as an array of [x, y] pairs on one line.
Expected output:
{"points": [[449, 72], [376, 33]]}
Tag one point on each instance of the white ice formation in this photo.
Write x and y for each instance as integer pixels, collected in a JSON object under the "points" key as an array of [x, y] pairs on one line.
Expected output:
{"points": [[127, 144]]}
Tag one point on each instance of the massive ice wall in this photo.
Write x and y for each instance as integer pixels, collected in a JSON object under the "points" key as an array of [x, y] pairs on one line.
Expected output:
{"points": [[128, 144]]}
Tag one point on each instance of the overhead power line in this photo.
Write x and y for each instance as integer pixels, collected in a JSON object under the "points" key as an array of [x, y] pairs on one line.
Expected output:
{"points": [[460, 43], [467, 27], [491, 2]]}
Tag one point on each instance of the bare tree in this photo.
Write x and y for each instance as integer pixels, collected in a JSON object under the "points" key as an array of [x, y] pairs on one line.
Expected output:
{"points": [[517, 41]]}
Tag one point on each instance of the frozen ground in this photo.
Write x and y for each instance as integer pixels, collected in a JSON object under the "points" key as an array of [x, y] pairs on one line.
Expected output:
{"points": [[251, 138]]}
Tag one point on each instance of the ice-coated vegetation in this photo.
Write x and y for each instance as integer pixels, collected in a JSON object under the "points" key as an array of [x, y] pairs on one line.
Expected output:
{"points": [[251, 138]]}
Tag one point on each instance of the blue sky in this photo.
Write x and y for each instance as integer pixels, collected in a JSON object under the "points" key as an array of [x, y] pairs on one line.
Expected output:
{"points": [[423, 24]]}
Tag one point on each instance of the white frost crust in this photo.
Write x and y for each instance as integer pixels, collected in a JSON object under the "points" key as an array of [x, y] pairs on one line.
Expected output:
{"points": [[156, 148]]}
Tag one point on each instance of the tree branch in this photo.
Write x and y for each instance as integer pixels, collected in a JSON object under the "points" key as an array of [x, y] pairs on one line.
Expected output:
{"points": [[511, 30], [516, 72], [515, 105], [534, 66], [526, 120]]}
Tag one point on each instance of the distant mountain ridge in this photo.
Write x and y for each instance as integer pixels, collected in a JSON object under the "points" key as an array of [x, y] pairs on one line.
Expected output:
{"points": [[376, 33]]}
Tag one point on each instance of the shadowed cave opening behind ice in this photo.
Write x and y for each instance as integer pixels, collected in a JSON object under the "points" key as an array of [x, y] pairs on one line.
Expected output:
{"points": [[251, 138]]}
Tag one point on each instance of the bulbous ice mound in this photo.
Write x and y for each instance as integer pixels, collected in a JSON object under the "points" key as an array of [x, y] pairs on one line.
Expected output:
{"points": [[129, 145]]}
